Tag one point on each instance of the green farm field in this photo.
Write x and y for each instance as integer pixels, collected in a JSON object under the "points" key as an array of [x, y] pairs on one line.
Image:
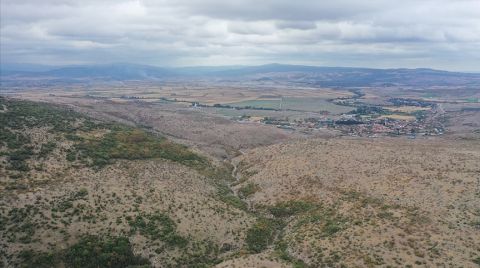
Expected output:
{"points": [[297, 104]]}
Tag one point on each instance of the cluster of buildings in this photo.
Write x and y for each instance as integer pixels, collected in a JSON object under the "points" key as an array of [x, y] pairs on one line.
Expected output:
{"points": [[389, 126], [364, 126]]}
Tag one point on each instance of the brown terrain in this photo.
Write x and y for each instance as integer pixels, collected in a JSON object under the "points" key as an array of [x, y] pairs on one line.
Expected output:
{"points": [[213, 186], [396, 202]]}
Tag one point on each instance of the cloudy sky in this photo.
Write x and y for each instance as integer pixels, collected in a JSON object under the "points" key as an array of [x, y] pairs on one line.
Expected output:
{"points": [[442, 34]]}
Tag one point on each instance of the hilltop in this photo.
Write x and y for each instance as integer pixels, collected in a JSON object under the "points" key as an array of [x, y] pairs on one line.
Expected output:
{"points": [[314, 75]]}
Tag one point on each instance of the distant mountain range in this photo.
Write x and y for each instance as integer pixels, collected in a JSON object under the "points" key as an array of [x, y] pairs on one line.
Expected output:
{"points": [[321, 76]]}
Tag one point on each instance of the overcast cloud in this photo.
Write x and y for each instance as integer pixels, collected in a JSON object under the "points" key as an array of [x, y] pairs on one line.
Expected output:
{"points": [[442, 34]]}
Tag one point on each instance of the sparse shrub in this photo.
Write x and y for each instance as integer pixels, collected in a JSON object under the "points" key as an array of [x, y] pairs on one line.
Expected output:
{"points": [[81, 193], [71, 156], [94, 251], [46, 149], [261, 234], [126, 143], [327, 219], [290, 208], [281, 251], [248, 190], [158, 226], [31, 259], [18, 157], [226, 195]]}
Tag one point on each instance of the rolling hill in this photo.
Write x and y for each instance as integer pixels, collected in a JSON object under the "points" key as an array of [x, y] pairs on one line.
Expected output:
{"points": [[321, 76]]}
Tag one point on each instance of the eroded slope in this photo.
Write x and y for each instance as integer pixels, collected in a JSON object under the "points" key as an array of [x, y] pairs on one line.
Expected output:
{"points": [[364, 203], [65, 177]]}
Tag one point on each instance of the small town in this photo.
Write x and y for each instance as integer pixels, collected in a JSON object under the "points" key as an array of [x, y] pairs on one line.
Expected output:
{"points": [[369, 124]]}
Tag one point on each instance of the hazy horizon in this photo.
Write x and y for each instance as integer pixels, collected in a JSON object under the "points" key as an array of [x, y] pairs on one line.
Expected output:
{"points": [[45, 67]]}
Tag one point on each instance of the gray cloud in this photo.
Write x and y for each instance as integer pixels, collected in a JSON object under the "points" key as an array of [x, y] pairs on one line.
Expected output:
{"points": [[375, 33], [301, 25]]}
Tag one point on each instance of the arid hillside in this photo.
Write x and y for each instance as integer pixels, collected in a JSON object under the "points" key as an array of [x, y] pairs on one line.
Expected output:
{"points": [[365, 203], [212, 134], [77, 192], [79, 188]]}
